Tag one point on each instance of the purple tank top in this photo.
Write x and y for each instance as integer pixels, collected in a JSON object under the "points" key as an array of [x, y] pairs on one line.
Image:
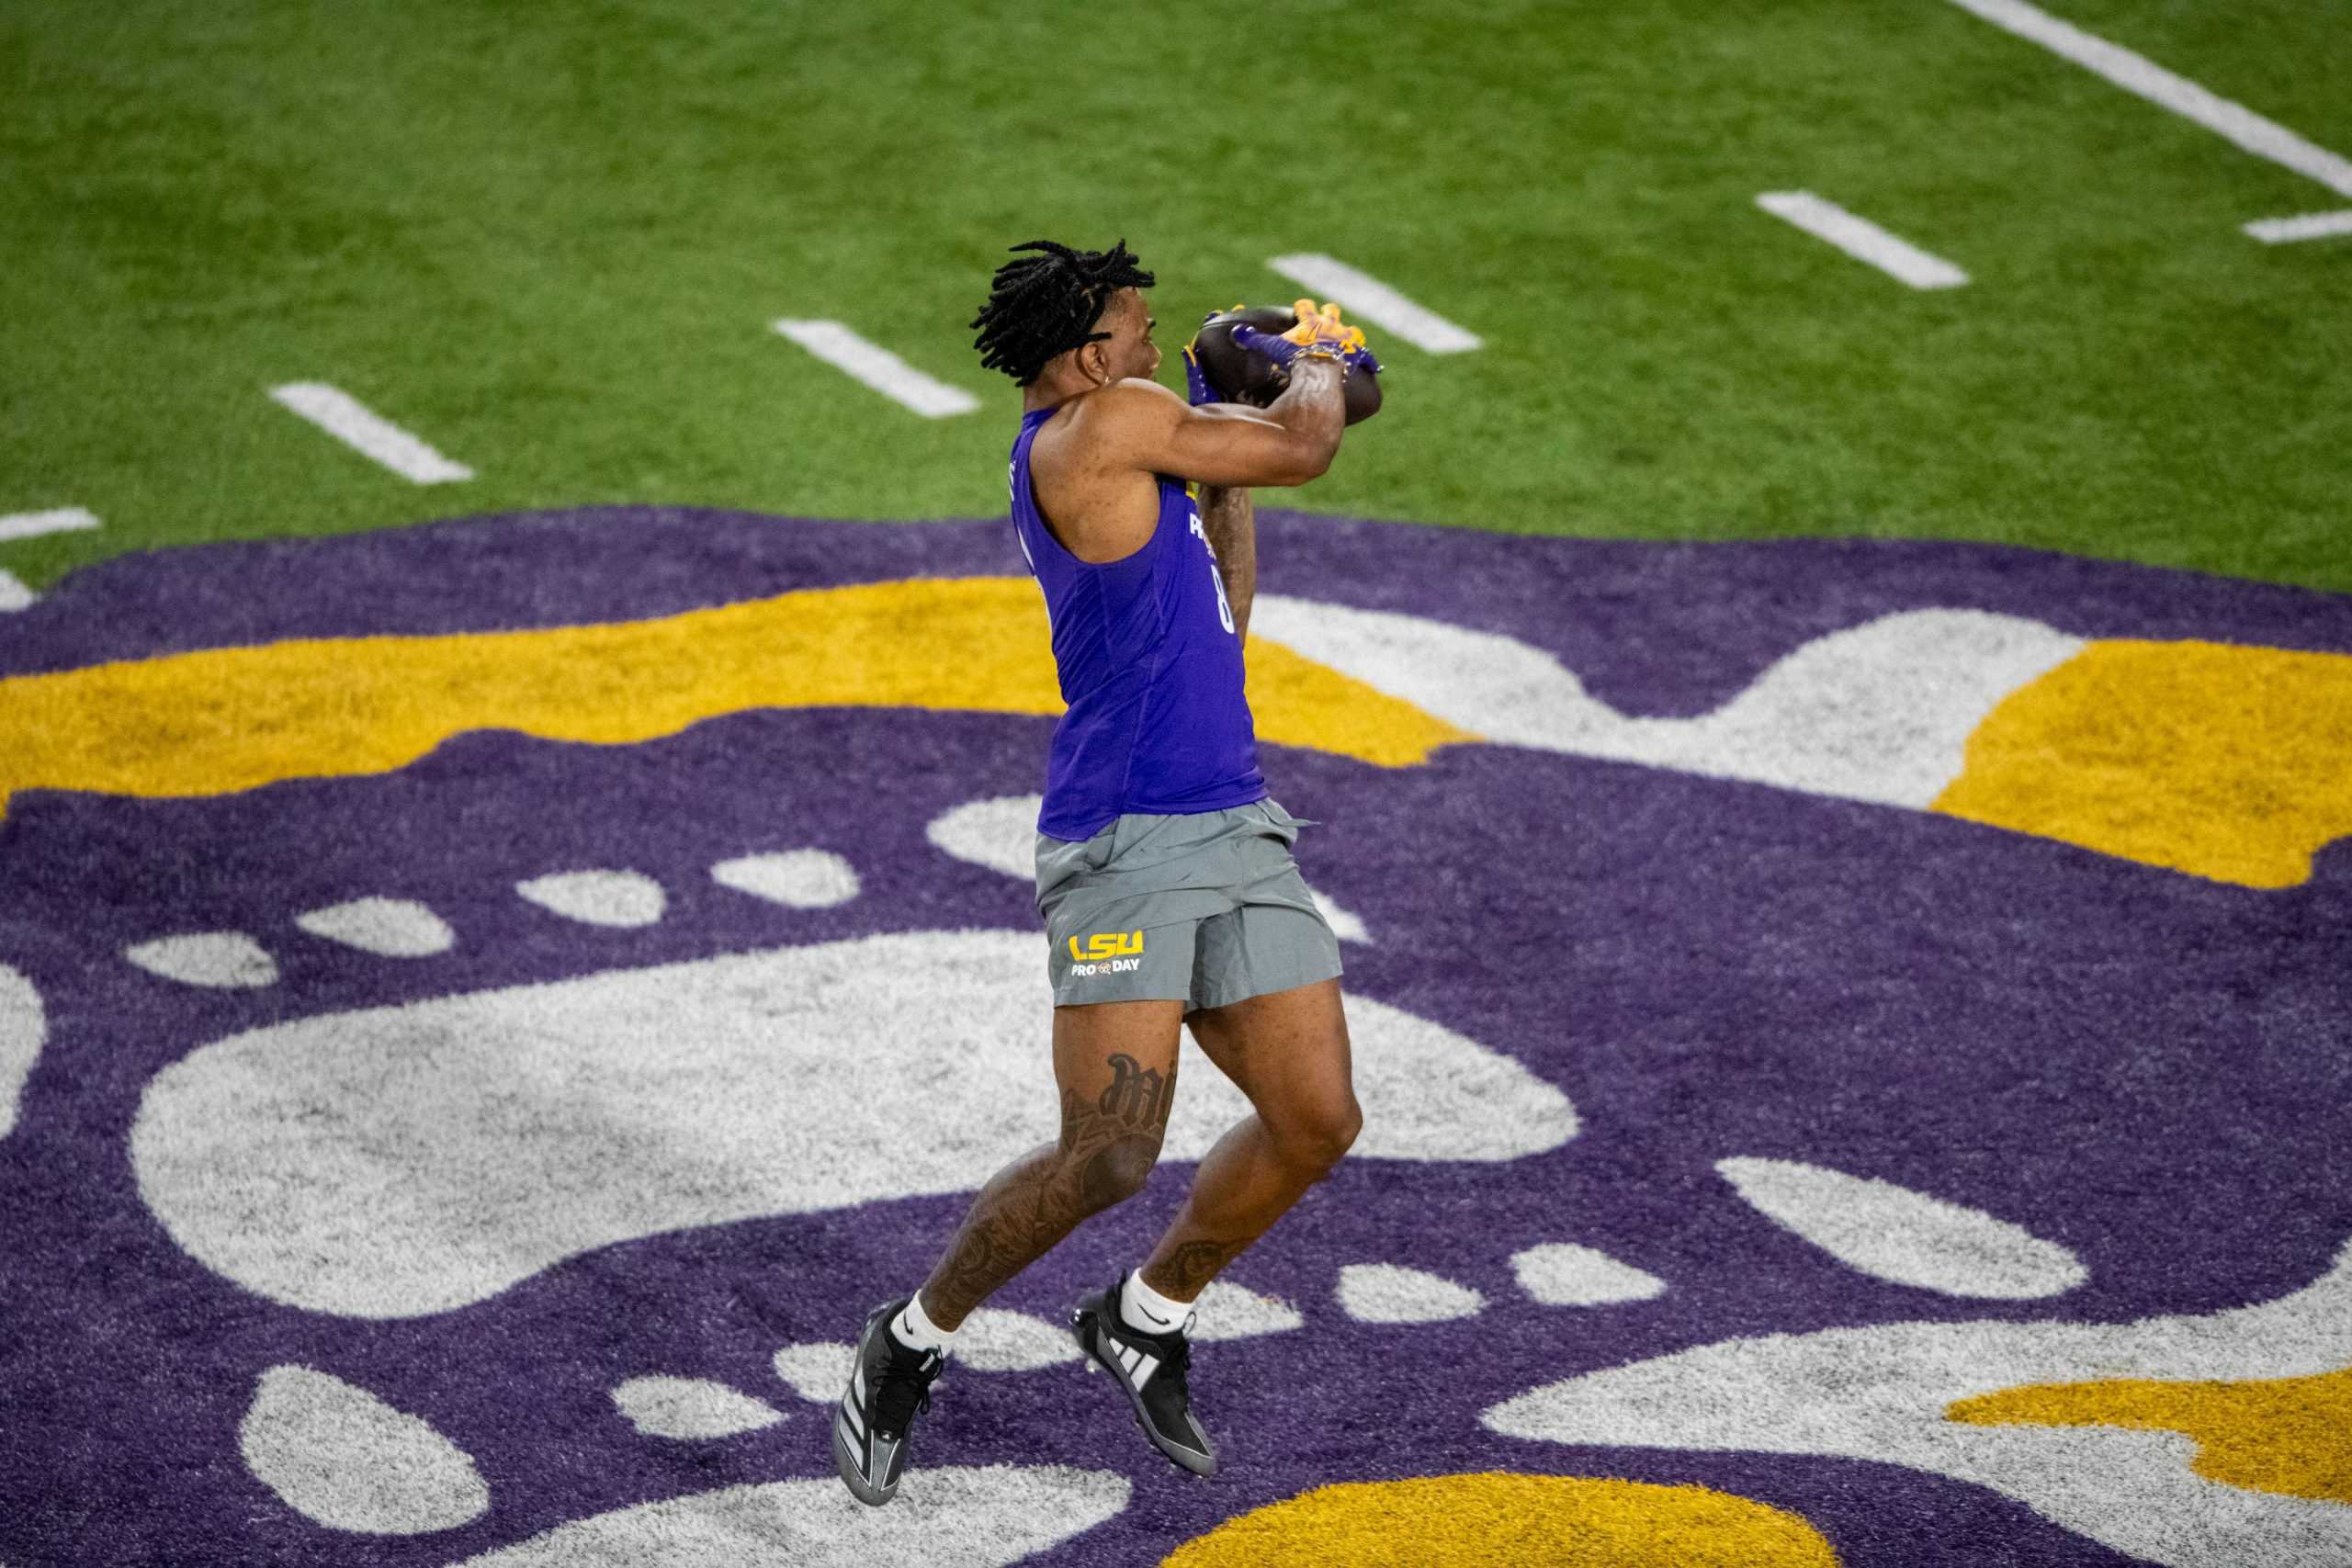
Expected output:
{"points": [[1150, 669]]}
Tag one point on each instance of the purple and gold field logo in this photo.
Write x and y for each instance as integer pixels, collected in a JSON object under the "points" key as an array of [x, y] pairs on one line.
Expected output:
{"points": [[1853, 1041]]}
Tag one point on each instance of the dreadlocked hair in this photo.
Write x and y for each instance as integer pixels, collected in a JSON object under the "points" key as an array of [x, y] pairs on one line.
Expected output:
{"points": [[1046, 305]]}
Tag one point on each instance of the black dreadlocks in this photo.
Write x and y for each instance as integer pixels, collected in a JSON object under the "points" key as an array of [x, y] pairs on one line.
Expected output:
{"points": [[1046, 305]]}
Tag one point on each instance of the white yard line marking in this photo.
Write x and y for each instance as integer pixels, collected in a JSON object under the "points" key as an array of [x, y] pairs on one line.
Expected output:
{"points": [[1862, 239], [1376, 303], [359, 427], [32, 525], [2311, 225], [879, 368], [13, 594], [2135, 74]]}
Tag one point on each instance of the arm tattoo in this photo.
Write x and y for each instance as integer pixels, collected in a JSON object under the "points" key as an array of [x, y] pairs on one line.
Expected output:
{"points": [[1231, 519], [1107, 1146]]}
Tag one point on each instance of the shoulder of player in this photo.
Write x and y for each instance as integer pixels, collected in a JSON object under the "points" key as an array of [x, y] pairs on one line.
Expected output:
{"points": [[1125, 409]]}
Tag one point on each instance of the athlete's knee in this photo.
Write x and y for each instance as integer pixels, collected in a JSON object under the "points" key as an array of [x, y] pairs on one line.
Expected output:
{"points": [[1113, 1172], [1316, 1137], [1347, 1126]]}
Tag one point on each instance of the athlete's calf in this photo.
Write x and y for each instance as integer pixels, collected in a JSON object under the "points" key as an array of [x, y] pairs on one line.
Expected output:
{"points": [[1116, 1067], [1288, 1051]]}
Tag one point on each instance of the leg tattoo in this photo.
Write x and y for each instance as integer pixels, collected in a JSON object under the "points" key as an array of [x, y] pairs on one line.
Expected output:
{"points": [[1108, 1146], [1193, 1265]]}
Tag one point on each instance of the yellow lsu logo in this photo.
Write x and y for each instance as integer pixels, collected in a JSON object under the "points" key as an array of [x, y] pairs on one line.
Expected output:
{"points": [[1106, 944]]}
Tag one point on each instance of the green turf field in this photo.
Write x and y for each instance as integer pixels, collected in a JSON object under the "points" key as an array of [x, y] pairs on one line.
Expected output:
{"points": [[551, 241]]}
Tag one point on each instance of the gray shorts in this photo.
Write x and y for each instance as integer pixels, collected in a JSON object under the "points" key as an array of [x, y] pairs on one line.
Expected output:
{"points": [[1204, 909]]}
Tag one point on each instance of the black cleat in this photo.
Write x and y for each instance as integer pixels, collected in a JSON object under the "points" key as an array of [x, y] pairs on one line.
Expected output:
{"points": [[1151, 1368], [887, 1385]]}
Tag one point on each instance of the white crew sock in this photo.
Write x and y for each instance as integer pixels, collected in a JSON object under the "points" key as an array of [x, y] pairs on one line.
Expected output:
{"points": [[913, 1328], [1147, 1311]]}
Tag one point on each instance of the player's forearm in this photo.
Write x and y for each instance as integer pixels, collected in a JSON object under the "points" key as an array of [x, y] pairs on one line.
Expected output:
{"points": [[1313, 410], [1230, 518]]}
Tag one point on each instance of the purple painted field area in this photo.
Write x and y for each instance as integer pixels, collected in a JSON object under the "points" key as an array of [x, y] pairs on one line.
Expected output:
{"points": [[2143, 1072]]}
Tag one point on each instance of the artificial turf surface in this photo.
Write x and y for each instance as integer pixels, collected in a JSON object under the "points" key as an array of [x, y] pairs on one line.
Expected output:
{"points": [[550, 241]]}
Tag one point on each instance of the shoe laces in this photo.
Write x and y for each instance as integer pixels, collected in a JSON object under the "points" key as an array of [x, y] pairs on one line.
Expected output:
{"points": [[903, 1390], [1179, 1360]]}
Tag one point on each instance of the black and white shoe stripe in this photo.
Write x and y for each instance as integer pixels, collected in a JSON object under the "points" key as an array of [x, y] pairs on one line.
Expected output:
{"points": [[1137, 1364], [1152, 1368], [888, 1384]]}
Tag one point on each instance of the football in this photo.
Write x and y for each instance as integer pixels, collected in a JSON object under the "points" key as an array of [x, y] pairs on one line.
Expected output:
{"points": [[1248, 377]]}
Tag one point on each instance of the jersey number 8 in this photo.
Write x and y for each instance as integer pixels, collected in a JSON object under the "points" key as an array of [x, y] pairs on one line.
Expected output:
{"points": [[1224, 607]]}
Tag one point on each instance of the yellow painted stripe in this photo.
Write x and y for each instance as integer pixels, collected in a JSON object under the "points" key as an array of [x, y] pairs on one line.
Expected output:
{"points": [[227, 719], [2229, 762], [1527, 1521], [2283, 1435]]}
